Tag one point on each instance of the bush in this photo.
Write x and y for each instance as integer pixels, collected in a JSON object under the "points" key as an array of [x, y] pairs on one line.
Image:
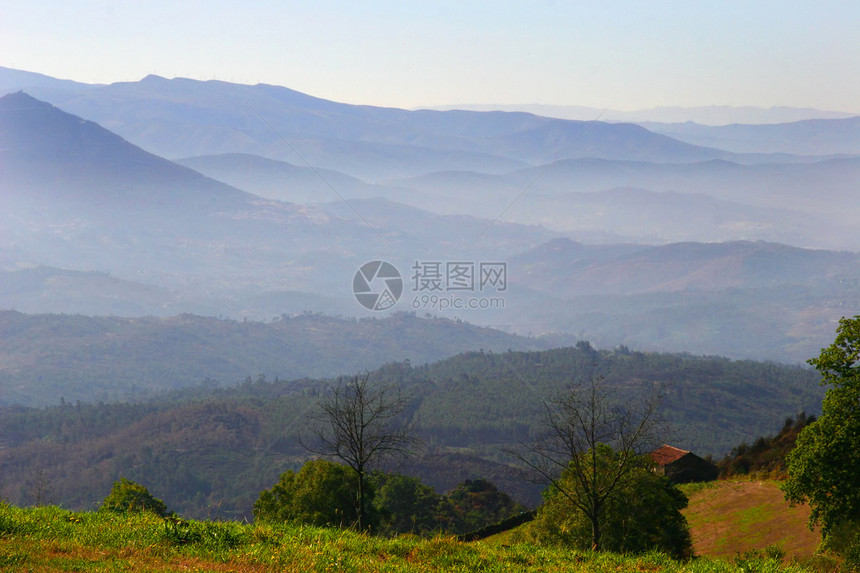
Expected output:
{"points": [[843, 539], [645, 515], [321, 493], [475, 504], [126, 497], [405, 504]]}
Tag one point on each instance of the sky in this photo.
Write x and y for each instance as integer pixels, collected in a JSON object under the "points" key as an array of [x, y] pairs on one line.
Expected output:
{"points": [[617, 54]]}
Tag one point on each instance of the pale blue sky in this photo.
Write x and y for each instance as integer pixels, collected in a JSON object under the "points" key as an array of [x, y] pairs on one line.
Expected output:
{"points": [[616, 54]]}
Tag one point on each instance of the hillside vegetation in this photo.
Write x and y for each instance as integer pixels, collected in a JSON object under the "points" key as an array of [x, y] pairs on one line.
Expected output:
{"points": [[53, 539], [209, 451], [47, 357]]}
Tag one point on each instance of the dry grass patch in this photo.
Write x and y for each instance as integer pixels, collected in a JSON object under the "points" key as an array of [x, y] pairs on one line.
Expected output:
{"points": [[736, 516]]}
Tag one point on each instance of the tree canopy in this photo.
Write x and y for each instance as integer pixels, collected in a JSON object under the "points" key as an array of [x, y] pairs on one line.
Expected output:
{"points": [[320, 493], [128, 496], [644, 514], [360, 423], [824, 467], [592, 448], [323, 493]]}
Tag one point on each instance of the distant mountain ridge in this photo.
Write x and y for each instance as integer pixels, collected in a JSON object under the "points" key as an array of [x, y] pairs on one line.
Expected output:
{"points": [[88, 200], [46, 150], [805, 204], [806, 137], [12, 80], [182, 118], [80, 197], [119, 359], [711, 115], [564, 266]]}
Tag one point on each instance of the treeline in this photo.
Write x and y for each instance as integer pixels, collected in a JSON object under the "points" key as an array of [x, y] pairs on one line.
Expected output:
{"points": [[322, 493], [212, 449], [766, 453], [48, 356]]}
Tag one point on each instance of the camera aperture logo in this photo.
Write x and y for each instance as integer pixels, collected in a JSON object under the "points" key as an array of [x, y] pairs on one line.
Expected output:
{"points": [[438, 285], [377, 285]]}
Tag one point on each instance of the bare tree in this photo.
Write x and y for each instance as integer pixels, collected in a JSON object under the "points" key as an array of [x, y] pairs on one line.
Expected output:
{"points": [[360, 423], [39, 490], [597, 445]]}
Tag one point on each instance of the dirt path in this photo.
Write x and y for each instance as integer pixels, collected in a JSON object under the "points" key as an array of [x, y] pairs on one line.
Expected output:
{"points": [[735, 516]]}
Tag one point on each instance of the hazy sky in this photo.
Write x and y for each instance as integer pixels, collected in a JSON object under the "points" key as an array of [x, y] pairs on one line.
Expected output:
{"points": [[599, 53]]}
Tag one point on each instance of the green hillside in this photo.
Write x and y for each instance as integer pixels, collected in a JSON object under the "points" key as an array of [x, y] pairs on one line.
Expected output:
{"points": [[53, 539], [49, 356], [209, 451]]}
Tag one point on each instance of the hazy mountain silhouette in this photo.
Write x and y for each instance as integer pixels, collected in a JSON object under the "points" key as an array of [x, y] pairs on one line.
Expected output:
{"points": [[280, 180], [77, 196], [12, 80], [808, 137], [566, 268], [741, 299], [805, 204], [705, 115], [80, 198], [669, 217], [182, 118]]}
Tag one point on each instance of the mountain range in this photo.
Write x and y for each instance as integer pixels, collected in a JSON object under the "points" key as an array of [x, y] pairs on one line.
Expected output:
{"points": [[806, 137], [278, 197], [710, 115]]}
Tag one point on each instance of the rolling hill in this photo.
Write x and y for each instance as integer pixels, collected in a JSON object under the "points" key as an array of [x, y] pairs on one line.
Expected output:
{"points": [[212, 449], [85, 358], [79, 197], [805, 137], [733, 517], [181, 118], [566, 268]]}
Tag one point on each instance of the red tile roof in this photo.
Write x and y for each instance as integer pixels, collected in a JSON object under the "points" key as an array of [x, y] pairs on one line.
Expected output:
{"points": [[667, 454]]}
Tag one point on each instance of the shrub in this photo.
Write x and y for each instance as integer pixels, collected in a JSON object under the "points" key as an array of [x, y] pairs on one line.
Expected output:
{"points": [[127, 496], [320, 493], [645, 515]]}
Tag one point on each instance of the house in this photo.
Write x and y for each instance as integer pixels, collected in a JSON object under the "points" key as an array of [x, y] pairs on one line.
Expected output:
{"points": [[682, 466]]}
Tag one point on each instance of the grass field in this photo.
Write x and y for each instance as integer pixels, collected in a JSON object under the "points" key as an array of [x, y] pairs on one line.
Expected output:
{"points": [[53, 539], [731, 517]]}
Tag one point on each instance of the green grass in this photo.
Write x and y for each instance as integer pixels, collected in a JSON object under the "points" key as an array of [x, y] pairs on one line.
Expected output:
{"points": [[53, 539], [695, 487]]}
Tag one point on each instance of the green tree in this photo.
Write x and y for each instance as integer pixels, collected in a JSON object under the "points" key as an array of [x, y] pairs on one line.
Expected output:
{"points": [[361, 423], [474, 504], [405, 504], [645, 514], [597, 444], [127, 496], [824, 467], [321, 493]]}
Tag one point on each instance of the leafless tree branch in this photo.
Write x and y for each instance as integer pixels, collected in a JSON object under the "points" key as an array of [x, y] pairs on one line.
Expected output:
{"points": [[595, 442], [360, 423]]}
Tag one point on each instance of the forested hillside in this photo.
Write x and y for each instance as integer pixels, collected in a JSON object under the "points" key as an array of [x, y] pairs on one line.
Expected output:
{"points": [[47, 357], [209, 451]]}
